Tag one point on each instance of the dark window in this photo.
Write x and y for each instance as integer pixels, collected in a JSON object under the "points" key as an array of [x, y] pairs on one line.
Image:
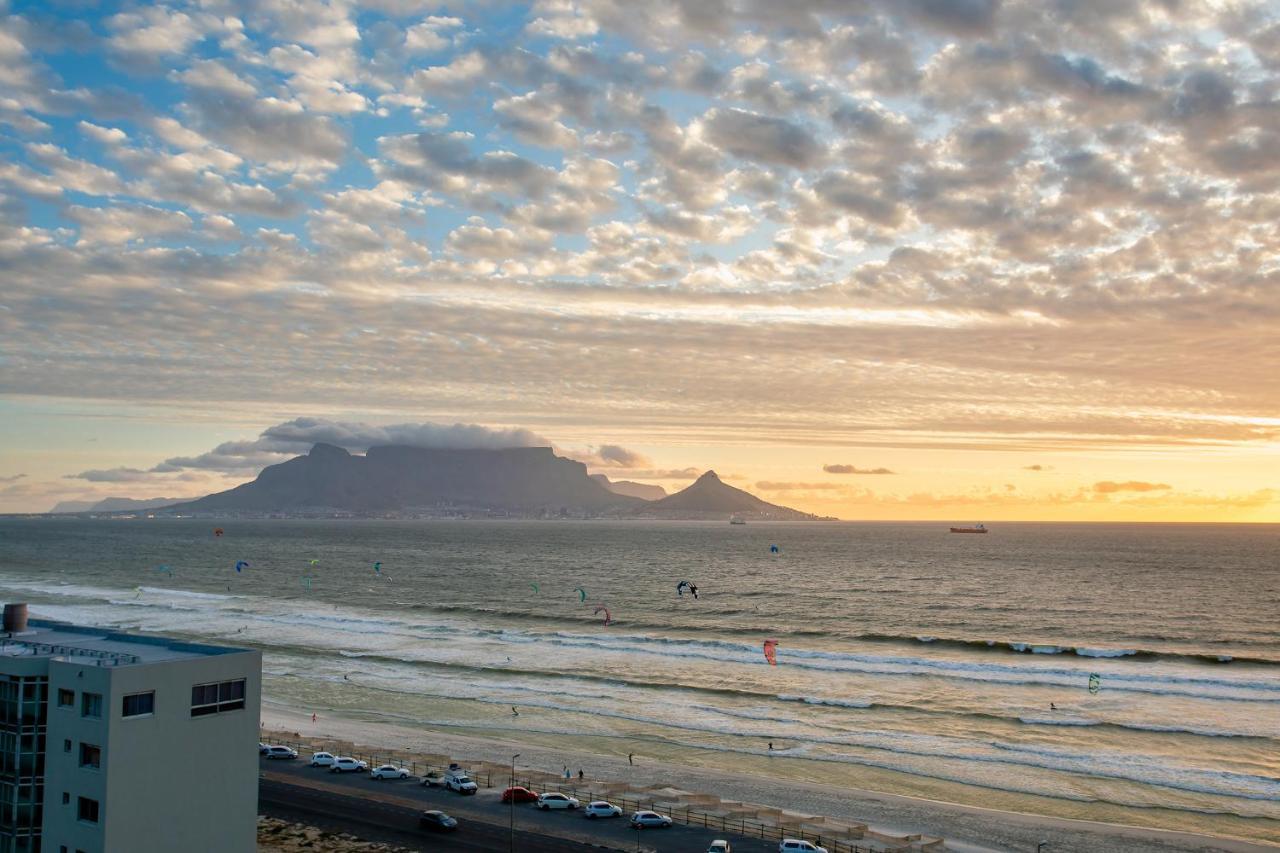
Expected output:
{"points": [[66, 798], [90, 756], [217, 697], [87, 810], [137, 704], [66, 746], [66, 698], [91, 704]]}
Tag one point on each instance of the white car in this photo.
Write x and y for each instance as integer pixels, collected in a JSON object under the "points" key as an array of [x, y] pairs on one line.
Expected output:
{"points": [[343, 764], [389, 771], [279, 752], [555, 801], [648, 820], [720, 846], [322, 759], [795, 845], [600, 808]]}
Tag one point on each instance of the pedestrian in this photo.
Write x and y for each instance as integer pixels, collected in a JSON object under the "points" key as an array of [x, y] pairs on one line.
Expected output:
{"points": [[579, 774], [313, 716], [630, 757], [771, 746], [566, 772]]}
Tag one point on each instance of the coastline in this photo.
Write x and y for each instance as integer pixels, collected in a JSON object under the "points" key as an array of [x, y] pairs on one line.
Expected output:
{"points": [[965, 828]]}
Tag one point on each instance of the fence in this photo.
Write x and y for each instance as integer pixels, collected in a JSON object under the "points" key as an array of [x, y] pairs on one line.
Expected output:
{"points": [[687, 816]]}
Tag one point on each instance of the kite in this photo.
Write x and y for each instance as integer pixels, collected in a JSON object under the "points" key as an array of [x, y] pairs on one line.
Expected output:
{"points": [[773, 549], [1095, 682], [582, 593], [217, 531], [139, 591], [683, 585], [315, 562], [168, 571], [771, 652], [535, 587], [240, 566], [607, 617]]}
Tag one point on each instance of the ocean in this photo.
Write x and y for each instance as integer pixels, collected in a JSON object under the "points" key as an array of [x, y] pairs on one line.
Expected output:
{"points": [[909, 660]]}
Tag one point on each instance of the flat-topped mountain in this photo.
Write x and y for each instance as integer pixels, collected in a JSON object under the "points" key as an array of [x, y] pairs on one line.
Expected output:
{"points": [[526, 480], [113, 505], [710, 497]]}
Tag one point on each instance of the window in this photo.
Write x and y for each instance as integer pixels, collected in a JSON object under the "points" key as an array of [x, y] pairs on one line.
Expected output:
{"points": [[66, 798], [91, 704], [139, 704], [66, 698], [217, 698], [87, 810], [90, 756], [66, 746]]}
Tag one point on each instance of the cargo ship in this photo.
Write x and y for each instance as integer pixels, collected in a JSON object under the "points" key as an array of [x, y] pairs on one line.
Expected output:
{"points": [[977, 528]]}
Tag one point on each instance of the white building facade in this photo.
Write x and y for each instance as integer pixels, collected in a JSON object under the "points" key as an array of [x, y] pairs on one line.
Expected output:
{"points": [[116, 742]]}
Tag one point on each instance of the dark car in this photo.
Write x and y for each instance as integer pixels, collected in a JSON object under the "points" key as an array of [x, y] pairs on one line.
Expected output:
{"points": [[519, 795], [437, 821]]}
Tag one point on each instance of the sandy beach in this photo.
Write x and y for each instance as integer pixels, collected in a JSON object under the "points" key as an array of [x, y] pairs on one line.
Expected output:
{"points": [[965, 828]]}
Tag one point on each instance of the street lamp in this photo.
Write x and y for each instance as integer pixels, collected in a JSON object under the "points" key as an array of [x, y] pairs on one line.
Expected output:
{"points": [[512, 793]]}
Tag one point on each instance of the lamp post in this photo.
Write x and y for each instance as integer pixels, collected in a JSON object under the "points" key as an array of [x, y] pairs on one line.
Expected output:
{"points": [[512, 844]]}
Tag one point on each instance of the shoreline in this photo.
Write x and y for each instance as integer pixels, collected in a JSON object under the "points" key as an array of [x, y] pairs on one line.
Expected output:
{"points": [[966, 828]]}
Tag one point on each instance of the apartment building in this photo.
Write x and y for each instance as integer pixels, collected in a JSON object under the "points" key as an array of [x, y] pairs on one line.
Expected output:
{"points": [[121, 743]]}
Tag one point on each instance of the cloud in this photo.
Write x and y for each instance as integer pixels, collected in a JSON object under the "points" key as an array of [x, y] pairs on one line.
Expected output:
{"points": [[852, 469], [763, 139], [12, 478], [1106, 487], [770, 486], [1037, 467], [296, 437]]}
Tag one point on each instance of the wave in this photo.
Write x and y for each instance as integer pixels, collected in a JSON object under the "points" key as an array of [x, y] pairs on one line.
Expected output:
{"points": [[1021, 647]]}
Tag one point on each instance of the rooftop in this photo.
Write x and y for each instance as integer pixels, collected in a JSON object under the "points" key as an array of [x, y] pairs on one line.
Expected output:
{"points": [[44, 638]]}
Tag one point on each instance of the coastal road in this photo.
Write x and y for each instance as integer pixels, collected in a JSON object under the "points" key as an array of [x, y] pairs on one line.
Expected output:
{"points": [[483, 818], [394, 824]]}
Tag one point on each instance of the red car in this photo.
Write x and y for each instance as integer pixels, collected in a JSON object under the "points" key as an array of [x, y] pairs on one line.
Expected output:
{"points": [[519, 795]]}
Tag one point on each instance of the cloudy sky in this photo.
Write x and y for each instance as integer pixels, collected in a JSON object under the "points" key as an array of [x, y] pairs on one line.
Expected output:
{"points": [[881, 259]]}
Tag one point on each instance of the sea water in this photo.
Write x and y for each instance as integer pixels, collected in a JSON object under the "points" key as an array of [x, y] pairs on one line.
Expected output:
{"points": [[909, 660]]}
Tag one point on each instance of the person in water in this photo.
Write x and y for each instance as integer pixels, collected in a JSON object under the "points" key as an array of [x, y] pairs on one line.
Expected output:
{"points": [[631, 758], [693, 588], [771, 746], [1052, 707], [514, 712]]}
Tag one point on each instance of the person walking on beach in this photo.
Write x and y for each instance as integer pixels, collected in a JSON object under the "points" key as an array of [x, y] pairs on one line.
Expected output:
{"points": [[566, 771], [313, 716], [579, 774]]}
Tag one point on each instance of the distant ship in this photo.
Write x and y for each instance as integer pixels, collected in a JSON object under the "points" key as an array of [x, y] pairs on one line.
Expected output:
{"points": [[977, 528], [735, 520]]}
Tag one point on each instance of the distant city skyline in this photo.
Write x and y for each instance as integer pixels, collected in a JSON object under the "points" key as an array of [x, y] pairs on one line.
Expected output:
{"points": [[946, 259]]}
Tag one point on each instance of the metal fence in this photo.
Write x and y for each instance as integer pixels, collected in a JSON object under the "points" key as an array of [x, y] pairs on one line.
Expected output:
{"points": [[687, 816]]}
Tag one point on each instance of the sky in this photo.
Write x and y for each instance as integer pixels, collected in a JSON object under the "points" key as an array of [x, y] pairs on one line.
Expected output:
{"points": [[917, 259]]}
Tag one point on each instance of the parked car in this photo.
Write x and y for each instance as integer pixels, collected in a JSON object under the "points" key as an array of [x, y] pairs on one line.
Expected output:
{"points": [[599, 808], [437, 821], [262, 748], [720, 846], [435, 777], [556, 801], [389, 771], [795, 845], [280, 752], [649, 820], [322, 759], [343, 764], [519, 795]]}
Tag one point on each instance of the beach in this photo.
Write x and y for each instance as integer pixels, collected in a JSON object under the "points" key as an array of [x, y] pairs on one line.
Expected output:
{"points": [[967, 829]]}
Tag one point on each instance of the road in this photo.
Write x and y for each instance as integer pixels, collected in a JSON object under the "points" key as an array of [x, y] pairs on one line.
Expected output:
{"points": [[359, 802]]}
